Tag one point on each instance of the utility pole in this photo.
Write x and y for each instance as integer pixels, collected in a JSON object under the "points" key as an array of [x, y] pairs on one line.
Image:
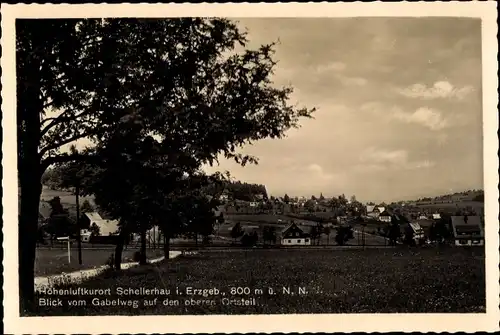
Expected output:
{"points": [[78, 233]]}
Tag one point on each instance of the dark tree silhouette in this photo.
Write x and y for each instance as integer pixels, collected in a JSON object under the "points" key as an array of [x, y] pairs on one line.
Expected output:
{"points": [[164, 76]]}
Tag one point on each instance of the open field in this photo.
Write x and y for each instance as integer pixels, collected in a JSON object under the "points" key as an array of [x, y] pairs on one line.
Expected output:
{"points": [[453, 206], [55, 261], [340, 281], [225, 231], [67, 198], [262, 218]]}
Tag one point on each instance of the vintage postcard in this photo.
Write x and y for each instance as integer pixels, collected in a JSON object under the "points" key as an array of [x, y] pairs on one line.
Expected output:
{"points": [[235, 168]]}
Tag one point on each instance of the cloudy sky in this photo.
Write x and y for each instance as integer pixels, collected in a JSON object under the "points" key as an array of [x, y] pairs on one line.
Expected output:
{"points": [[399, 107]]}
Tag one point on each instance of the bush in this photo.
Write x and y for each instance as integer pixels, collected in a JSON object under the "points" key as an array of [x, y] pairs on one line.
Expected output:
{"points": [[111, 261], [344, 234]]}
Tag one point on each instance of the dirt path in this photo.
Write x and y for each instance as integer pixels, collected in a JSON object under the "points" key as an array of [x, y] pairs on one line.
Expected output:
{"points": [[82, 275]]}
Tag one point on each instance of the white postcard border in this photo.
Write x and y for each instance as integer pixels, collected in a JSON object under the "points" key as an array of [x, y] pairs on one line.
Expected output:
{"points": [[253, 323]]}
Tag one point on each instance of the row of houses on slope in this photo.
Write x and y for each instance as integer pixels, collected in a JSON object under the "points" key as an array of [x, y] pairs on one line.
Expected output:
{"points": [[384, 214]]}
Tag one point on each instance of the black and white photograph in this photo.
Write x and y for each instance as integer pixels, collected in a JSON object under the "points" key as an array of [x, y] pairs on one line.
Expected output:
{"points": [[219, 161]]}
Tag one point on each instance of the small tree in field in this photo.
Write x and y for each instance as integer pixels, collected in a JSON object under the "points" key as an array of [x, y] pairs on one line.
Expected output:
{"points": [[86, 207], [95, 230], [237, 231], [327, 231], [344, 234]]}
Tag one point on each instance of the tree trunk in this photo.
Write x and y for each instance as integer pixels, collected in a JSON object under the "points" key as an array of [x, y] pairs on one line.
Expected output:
{"points": [[30, 172], [119, 247], [78, 232], [31, 190], [143, 259], [166, 246]]}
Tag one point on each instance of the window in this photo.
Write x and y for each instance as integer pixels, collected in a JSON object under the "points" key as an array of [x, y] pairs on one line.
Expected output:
{"points": [[298, 241], [307, 240], [289, 241]]}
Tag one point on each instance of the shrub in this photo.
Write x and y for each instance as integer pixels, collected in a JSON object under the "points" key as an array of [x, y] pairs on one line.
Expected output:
{"points": [[111, 261]]}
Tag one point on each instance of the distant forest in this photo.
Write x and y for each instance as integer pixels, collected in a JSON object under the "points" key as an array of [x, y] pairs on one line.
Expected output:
{"points": [[236, 190]]}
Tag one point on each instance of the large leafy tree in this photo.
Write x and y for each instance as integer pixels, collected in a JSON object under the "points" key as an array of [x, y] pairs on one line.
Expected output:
{"points": [[177, 82]]}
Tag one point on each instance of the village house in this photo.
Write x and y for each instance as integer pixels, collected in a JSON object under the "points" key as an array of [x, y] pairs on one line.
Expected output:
{"points": [[374, 211], [436, 216], [259, 197], [467, 230], [295, 235], [385, 216], [418, 232]]}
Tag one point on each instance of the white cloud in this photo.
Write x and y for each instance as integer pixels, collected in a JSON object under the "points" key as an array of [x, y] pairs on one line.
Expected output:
{"points": [[372, 155], [420, 165], [424, 116], [352, 81], [333, 66], [373, 159], [318, 171], [440, 89]]}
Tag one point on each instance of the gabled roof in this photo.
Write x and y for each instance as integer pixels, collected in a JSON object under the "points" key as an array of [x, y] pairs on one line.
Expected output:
{"points": [[467, 226], [369, 208], [425, 222], [386, 213], [287, 227], [107, 227], [93, 216], [415, 227], [305, 229], [381, 209]]}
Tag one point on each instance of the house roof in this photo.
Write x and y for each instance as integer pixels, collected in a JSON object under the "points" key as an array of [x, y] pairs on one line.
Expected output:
{"points": [[467, 225], [93, 216], [107, 227], [425, 222], [370, 208], [386, 213], [381, 209], [305, 229], [415, 226]]}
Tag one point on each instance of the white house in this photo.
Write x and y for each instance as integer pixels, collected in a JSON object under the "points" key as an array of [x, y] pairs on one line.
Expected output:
{"points": [[385, 216], [418, 231], [436, 216], [372, 211], [293, 235], [85, 235], [467, 230]]}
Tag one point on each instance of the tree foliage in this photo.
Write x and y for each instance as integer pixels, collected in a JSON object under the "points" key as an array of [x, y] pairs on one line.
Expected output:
{"points": [[86, 207], [237, 231]]}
